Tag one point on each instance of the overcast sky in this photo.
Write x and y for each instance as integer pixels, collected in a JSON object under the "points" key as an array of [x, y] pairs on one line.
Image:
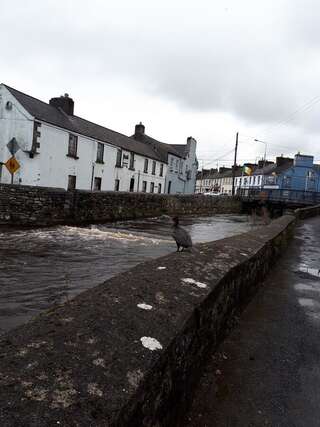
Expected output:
{"points": [[203, 68]]}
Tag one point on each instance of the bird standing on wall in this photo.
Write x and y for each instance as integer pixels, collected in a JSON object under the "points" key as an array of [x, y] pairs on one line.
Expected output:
{"points": [[181, 236]]}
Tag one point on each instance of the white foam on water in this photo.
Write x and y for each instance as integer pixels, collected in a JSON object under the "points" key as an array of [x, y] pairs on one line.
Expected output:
{"points": [[312, 271], [306, 302], [96, 233], [304, 287]]}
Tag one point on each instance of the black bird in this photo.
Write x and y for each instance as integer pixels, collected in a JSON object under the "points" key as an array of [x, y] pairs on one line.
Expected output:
{"points": [[180, 235]]}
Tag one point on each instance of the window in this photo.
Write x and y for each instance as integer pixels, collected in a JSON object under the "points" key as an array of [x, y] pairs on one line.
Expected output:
{"points": [[35, 141], [145, 170], [73, 146], [177, 165], [180, 166], [125, 160], [161, 170], [144, 186], [116, 185], [131, 165], [169, 187], [119, 159], [100, 151], [171, 164], [259, 179], [153, 167], [72, 182], [151, 187], [287, 181], [159, 188], [97, 184]]}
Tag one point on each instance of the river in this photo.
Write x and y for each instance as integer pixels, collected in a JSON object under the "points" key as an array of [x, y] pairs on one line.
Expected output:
{"points": [[47, 266]]}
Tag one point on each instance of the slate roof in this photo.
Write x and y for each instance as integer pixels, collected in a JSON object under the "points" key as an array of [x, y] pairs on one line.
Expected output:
{"points": [[180, 148], [161, 148], [52, 115]]}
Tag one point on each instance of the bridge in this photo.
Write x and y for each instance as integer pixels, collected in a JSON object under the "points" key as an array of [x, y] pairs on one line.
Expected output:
{"points": [[281, 198]]}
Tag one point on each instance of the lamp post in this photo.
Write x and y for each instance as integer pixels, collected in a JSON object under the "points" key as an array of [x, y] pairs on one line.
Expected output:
{"points": [[234, 164], [265, 150]]}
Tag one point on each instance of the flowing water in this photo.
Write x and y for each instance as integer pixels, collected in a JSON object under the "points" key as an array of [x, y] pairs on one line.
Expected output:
{"points": [[43, 267]]}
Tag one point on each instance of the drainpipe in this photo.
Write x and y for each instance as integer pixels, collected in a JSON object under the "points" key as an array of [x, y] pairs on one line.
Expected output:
{"points": [[92, 175], [138, 182]]}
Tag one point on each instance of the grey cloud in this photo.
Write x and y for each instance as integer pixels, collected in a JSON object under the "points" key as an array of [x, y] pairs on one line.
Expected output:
{"points": [[256, 60]]}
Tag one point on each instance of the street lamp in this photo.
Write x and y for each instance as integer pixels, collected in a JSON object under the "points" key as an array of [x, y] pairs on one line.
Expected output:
{"points": [[265, 149]]}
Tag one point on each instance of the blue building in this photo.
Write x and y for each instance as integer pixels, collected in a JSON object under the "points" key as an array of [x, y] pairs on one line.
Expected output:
{"points": [[301, 175]]}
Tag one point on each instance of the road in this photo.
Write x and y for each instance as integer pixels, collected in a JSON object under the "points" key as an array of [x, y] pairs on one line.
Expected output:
{"points": [[267, 372]]}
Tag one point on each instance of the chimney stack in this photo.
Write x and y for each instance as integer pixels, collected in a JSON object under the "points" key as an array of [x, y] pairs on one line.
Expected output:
{"points": [[283, 160], [64, 103], [139, 130]]}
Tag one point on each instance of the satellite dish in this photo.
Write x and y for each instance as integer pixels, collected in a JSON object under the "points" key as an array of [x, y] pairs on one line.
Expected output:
{"points": [[9, 105]]}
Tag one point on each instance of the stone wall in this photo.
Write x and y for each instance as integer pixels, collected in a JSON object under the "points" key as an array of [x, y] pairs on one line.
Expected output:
{"points": [[38, 206], [303, 213], [128, 352]]}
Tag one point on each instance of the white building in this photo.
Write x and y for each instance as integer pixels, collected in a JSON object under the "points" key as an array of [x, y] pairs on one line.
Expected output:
{"points": [[214, 181], [180, 158], [58, 149]]}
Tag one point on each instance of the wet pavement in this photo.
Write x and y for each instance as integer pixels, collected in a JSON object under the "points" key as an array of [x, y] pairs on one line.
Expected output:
{"points": [[267, 372], [43, 267]]}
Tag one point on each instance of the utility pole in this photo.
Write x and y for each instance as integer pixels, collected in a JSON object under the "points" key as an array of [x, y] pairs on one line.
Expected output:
{"points": [[234, 164]]}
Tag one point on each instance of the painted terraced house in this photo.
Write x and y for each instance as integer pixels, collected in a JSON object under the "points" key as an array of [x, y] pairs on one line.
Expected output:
{"points": [[59, 149]]}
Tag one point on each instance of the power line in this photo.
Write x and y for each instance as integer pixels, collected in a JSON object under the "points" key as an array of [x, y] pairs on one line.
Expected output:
{"points": [[305, 107]]}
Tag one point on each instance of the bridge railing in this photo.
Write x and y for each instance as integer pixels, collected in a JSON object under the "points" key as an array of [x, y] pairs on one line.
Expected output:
{"points": [[281, 195]]}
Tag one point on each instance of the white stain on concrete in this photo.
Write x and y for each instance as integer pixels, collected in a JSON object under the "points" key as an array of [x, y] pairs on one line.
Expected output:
{"points": [[144, 306], [94, 390], [162, 268], [151, 343], [191, 281], [37, 344]]}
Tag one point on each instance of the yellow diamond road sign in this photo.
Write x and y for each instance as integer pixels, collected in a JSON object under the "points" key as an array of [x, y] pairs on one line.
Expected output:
{"points": [[12, 165]]}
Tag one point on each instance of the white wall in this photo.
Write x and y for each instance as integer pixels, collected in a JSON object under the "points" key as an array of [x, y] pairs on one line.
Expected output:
{"points": [[178, 170], [124, 174], [17, 123], [51, 166]]}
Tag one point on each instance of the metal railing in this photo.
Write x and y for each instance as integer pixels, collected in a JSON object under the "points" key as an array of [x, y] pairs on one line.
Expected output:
{"points": [[281, 195]]}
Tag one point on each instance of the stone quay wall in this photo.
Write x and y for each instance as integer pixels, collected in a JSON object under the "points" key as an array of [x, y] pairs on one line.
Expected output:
{"points": [[41, 206], [303, 213], [128, 352]]}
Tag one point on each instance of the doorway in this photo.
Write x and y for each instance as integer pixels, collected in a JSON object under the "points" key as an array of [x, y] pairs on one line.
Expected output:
{"points": [[131, 185]]}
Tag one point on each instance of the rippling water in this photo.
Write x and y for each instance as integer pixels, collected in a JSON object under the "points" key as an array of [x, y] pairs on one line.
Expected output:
{"points": [[42, 267]]}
